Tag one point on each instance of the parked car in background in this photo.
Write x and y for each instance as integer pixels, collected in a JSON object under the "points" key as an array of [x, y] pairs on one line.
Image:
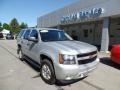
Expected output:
{"points": [[58, 55], [1, 35], [9, 36], [115, 53]]}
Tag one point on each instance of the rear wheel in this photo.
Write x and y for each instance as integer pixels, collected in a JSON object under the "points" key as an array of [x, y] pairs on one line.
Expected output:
{"points": [[47, 72], [20, 54]]}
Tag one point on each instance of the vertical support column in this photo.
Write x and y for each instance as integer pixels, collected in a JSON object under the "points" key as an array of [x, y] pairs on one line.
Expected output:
{"points": [[105, 35]]}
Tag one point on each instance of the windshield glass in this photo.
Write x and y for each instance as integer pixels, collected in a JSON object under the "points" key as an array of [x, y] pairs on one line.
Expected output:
{"points": [[54, 35]]}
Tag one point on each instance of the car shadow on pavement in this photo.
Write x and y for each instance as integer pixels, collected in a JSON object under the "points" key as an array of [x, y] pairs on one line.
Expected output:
{"points": [[31, 65], [60, 84], [109, 62]]}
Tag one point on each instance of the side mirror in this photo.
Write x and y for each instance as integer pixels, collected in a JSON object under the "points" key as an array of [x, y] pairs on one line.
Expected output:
{"points": [[33, 39]]}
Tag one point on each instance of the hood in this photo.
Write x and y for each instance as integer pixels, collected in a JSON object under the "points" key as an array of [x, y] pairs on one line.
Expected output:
{"points": [[72, 47]]}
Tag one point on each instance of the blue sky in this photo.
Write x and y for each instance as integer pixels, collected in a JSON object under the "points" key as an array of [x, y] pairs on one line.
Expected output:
{"points": [[28, 10]]}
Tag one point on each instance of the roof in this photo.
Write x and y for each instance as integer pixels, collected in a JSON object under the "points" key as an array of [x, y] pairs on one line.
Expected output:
{"points": [[41, 29]]}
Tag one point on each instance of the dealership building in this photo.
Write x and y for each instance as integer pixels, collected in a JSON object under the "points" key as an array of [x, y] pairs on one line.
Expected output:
{"points": [[93, 21]]}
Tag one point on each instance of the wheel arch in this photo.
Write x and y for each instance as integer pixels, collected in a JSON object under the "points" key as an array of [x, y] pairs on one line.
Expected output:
{"points": [[44, 56]]}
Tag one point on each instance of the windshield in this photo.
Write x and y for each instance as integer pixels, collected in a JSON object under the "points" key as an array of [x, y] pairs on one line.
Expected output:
{"points": [[54, 35]]}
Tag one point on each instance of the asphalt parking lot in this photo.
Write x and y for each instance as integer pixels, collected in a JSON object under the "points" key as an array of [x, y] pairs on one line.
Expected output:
{"points": [[18, 75]]}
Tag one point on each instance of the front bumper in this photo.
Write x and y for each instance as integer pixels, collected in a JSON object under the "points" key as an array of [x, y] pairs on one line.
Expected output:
{"points": [[69, 72]]}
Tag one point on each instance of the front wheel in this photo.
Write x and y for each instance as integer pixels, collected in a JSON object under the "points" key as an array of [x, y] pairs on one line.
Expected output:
{"points": [[47, 72]]}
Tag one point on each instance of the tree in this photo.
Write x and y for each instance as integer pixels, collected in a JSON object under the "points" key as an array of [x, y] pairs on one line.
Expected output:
{"points": [[6, 26], [14, 25], [23, 25], [1, 26]]}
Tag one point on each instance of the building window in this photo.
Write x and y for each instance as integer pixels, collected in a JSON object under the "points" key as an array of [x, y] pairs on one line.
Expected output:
{"points": [[85, 33], [74, 35], [90, 30]]}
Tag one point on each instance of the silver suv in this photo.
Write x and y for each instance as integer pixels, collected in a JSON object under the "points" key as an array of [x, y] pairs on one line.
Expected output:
{"points": [[58, 55]]}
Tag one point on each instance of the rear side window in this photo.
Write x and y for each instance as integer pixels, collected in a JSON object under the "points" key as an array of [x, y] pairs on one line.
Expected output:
{"points": [[26, 35], [21, 33], [34, 33]]}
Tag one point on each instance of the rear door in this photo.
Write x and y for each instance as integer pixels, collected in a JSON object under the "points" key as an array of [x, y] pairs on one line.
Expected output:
{"points": [[25, 42], [20, 36]]}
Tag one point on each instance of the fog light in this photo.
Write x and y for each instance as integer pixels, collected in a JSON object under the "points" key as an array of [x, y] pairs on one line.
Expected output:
{"points": [[81, 75]]}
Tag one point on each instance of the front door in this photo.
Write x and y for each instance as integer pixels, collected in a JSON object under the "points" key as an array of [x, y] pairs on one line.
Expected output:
{"points": [[33, 47]]}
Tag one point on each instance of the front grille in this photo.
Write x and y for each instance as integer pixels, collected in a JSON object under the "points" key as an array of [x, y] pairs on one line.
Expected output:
{"points": [[85, 61], [86, 54]]}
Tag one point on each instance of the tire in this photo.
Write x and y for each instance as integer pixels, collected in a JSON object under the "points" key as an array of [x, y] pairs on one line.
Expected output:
{"points": [[21, 56], [47, 72]]}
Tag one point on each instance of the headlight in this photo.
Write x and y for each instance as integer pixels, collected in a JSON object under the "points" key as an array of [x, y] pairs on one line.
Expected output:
{"points": [[67, 59]]}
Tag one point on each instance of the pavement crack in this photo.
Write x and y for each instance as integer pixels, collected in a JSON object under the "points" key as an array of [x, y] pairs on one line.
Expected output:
{"points": [[8, 51], [97, 87], [59, 88]]}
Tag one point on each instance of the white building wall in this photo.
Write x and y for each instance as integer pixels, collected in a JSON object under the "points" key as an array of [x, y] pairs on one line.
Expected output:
{"points": [[111, 8]]}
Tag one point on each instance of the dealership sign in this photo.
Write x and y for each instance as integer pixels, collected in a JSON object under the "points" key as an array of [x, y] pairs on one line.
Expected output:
{"points": [[83, 15]]}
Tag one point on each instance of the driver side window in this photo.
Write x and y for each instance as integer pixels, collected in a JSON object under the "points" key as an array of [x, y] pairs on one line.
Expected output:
{"points": [[34, 33]]}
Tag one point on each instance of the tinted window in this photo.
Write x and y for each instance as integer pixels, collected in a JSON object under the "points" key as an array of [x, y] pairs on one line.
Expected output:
{"points": [[21, 33], [34, 33], [53, 35], [26, 34]]}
